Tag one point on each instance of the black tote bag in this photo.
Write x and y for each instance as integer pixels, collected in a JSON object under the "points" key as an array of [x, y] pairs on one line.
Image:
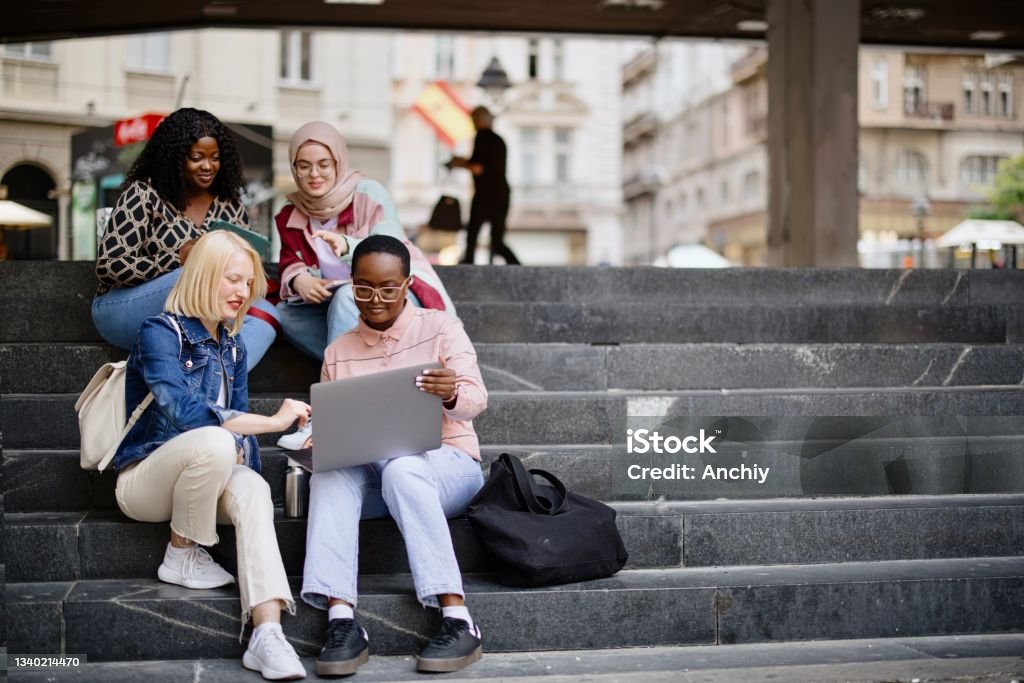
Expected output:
{"points": [[542, 535], [447, 215]]}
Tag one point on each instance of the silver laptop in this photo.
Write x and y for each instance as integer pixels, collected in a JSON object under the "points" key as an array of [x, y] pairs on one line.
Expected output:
{"points": [[380, 416]]}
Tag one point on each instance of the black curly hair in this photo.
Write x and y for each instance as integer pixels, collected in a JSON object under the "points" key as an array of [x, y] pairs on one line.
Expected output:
{"points": [[382, 244], [162, 162]]}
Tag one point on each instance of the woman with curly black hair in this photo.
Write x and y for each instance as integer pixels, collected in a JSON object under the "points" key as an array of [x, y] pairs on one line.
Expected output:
{"points": [[188, 176]]}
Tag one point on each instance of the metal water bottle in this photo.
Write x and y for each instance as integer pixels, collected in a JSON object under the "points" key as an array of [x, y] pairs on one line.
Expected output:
{"points": [[296, 491]]}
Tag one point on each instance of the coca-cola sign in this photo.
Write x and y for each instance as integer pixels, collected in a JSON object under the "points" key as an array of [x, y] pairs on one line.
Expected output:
{"points": [[138, 129]]}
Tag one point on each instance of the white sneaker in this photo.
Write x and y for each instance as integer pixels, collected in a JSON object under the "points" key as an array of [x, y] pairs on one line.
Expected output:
{"points": [[295, 440], [273, 656], [193, 569]]}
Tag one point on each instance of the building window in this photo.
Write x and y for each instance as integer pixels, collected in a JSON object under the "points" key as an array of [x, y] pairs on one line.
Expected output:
{"points": [[35, 50], [563, 155], [970, 91], [1005, 99], [986, 94], [149, 52], [913, 89], [755, 108], [444, 65], [532, 58], [529, 139], [752, 187], [726, 128], [912, 170], [880, 84], [979, 170], [558, 60], [724, 194], [296, 56], [701, 201]]}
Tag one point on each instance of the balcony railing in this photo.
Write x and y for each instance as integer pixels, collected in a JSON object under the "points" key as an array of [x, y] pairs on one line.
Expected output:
{"points": [[642, 124], [553, 195], [935, 111], [639, 65]]}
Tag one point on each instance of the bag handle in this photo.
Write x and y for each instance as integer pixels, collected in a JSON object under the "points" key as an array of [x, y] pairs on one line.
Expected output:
{"points": [[525, 490], [446, 183], [556, 483]]}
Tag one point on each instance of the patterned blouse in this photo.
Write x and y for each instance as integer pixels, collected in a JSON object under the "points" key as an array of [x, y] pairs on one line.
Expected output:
{"points": [[144, 234]]}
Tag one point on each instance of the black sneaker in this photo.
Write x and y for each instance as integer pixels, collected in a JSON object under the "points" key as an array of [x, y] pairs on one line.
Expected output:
{"points": [[346, 649], [454, 648]]}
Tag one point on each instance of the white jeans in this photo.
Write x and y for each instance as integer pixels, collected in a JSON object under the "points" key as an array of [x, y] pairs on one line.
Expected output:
{"points": [[419, 491], [193, 482]]}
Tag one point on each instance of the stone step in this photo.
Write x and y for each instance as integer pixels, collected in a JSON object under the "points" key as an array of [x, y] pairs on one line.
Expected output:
{"points": [[610, 305], [76, 280], [54, 546], [66, 368], [146, 620], [666, 323], [867, 660], [638, 323], [804, 286], [978, 455], [49, 420]]}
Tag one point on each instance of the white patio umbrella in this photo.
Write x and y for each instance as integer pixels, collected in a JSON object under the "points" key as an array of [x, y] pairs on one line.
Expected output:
{"points": [[692, 256], [984, 233], [15, 216]]}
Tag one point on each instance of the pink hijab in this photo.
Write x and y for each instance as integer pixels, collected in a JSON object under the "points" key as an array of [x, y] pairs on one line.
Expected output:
{"points": [[339, 197]]}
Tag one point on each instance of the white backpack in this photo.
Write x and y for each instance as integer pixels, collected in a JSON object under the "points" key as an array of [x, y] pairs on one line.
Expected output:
{"points": [[101, 413]]}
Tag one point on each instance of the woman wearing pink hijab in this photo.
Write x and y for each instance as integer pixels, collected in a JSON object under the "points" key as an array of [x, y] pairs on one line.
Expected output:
{"points": [[334, 209]]}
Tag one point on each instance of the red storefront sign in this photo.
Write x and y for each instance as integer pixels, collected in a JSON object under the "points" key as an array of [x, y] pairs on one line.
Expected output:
{"points": [[138, 129]]}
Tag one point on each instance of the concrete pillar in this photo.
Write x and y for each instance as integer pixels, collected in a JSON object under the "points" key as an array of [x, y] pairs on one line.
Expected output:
{"points": [[812, 132]]}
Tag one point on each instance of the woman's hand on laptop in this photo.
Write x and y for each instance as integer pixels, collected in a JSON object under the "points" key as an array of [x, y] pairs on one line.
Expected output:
{"points": [[438, 381], [290, 411]]}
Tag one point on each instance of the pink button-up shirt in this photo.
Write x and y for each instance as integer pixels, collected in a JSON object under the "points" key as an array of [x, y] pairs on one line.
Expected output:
{"points": [[418, 336]]}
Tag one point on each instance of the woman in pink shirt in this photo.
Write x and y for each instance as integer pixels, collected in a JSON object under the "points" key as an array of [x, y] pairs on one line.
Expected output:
{"points": [[419, 491]]}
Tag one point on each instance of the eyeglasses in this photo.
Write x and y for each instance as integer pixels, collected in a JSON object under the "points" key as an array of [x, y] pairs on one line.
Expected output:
{"points": [[388, 295], [304, 168]]}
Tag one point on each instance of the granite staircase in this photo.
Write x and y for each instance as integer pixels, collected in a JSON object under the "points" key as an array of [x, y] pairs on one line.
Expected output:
{"points": [[887, 407]]}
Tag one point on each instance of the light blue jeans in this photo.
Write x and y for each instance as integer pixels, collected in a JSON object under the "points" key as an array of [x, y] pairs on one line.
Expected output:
{"points": [[119, 314], [419, 491], [311, 327]]}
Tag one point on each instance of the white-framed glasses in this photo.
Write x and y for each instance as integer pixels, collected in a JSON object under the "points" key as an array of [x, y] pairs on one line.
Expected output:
{"points": [[388, 295], [304, 168]]}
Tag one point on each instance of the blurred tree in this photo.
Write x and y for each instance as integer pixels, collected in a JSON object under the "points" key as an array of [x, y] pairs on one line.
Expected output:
{"points": [[1006, 199]]}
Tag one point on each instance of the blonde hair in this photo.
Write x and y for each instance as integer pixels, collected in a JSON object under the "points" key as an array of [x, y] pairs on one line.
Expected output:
{"points": [[195, 293]]}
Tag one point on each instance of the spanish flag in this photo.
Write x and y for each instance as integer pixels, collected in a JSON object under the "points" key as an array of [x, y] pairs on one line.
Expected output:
{"points": [[443, 111]]}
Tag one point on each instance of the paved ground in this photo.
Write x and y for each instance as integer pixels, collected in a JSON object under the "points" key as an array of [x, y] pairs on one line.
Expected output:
{"points": [[980, 659]]}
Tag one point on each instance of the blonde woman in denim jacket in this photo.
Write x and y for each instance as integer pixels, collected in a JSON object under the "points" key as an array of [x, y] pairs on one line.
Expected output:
{"points": [[192, 458]]}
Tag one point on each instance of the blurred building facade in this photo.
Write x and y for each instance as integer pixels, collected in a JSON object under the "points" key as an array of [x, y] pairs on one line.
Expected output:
{"points": [[50, 91], [933, 129], [560, 119]]}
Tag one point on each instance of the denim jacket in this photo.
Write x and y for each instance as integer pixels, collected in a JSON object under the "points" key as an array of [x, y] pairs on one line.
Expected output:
{"points": [[185, 378]]}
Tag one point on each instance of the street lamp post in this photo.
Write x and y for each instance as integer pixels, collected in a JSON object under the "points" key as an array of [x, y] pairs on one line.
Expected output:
{"points": [[920, 209]]}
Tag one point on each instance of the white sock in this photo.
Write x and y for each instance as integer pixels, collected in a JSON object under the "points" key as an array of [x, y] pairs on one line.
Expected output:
{"points": [[459, 612], [174, 555], [340, 612], [258, 631]]}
